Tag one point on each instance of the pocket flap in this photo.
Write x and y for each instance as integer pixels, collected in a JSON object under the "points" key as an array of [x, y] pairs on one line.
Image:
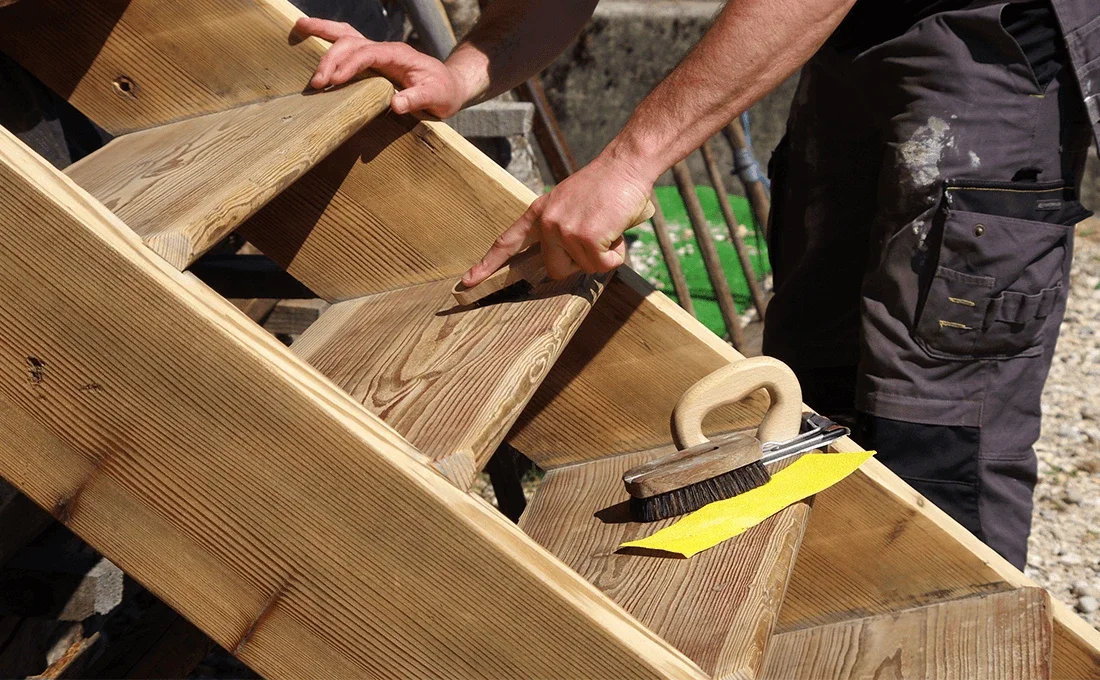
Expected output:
{"points": [[1013, 307]]}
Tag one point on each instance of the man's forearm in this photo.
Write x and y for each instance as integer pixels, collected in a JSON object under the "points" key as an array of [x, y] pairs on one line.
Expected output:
{"points": [[752, 46], [514, 40]]}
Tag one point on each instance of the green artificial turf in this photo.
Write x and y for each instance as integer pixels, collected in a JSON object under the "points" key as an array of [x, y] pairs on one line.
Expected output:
{"points": [[702, 294]]}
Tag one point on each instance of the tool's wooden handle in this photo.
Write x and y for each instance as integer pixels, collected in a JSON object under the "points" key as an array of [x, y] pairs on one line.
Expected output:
{"points": [[525, 266], [731, 384]]}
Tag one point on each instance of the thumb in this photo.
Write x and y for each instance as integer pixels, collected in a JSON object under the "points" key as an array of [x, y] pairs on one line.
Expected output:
{"points": [[416, 98], [613, 258]]}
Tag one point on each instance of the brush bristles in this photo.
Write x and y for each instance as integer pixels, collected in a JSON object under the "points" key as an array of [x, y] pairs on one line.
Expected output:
{"points": [[694, 496]]}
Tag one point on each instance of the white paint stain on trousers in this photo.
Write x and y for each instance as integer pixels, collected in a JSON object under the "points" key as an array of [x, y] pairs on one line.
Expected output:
{"points": [[921, 154]]}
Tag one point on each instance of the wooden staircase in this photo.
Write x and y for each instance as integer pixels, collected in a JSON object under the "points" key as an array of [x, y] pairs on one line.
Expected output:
{"points": [[308, 508]]}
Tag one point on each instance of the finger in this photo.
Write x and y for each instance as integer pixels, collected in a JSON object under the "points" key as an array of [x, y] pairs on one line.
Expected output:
{"points": [[323, 28], [559, 264], [515, 238], [417, 98], [330, 61], [582, 252]]}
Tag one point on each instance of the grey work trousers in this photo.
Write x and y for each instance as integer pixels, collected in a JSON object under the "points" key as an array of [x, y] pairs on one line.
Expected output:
{"points": [[921, 238]]}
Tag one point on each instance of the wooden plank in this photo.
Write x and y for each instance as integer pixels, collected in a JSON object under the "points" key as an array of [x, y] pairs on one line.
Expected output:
{"points": [[293, 317], [718, 607], [250, 494], [190, 57], [1006, 636], [185, 186], [613, 389], [451, 379], [74, 662], [921, 556], [135, 64], [402, 203]]}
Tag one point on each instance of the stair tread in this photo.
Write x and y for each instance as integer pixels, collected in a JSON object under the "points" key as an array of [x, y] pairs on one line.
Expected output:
{"points": [[451, 379], [718, 608], [186, 185], [999, 635]]}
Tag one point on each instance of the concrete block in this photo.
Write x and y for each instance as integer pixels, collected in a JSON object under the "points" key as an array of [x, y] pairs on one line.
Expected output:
{"points": [[494, 118]]}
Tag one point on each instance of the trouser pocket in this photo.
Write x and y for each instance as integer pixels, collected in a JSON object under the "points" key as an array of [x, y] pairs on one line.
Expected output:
{"points": [[1003, 252]]}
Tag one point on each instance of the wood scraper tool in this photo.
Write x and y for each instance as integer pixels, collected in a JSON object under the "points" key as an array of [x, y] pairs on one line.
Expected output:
{"points": [[526, 266], [704, 471]]}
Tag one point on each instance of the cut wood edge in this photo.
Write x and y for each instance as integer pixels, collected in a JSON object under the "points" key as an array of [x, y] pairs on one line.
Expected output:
{"points": [[1005, 635], [185, 186]]}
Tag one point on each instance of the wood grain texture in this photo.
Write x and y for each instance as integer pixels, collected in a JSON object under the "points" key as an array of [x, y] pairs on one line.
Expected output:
{"points": [[451, 379], [1006, 636], [250, 494], [614, 387], [613, 391], [135, 64], [293, 317], [401, 203], [719, 607], [921, 556], [185, 186]]}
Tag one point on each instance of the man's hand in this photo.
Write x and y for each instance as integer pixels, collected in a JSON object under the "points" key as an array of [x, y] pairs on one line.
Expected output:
{"points": [[580, 224], [426, 84]]}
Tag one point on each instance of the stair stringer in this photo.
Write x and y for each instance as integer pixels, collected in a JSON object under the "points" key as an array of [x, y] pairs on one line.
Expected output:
{"points": [[241, 487], [872, 544]]}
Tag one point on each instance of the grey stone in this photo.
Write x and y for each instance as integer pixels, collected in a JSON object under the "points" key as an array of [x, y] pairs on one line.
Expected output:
{"points": [[495, 118], [1087, 605]]}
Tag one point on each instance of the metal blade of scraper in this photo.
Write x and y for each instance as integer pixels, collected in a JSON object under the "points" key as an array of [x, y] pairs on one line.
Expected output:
{"points": [[524, 266]]}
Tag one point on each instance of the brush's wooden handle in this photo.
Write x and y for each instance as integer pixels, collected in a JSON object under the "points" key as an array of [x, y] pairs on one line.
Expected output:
{"points": [[731, 384], [525, 266]]}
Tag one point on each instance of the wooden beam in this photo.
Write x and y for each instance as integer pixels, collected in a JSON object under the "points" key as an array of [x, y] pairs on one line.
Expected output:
{"points": [[921, 556], [613, 391], [75, 661], [719, 607], [451, 379], [185, 186], [135, 64], [403, 202], [251, 495], [1006, 635], [293, 317]]}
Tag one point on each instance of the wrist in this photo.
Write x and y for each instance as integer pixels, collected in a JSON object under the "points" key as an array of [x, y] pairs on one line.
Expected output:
{"points": [[470, 71], [632, 160]]}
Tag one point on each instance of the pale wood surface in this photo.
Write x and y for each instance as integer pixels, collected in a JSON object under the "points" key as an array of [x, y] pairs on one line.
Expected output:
{"points": [[614, 387], [921, 556], [718, 607], [135, 64], [247, 492], [1006, 636], [402, 203], [451, 379], [184, 186], [613, 391], [293, 317]]}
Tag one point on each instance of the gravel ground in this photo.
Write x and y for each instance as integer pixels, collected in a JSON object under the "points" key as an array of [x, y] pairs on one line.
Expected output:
{"points": [[1065, 539]]}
